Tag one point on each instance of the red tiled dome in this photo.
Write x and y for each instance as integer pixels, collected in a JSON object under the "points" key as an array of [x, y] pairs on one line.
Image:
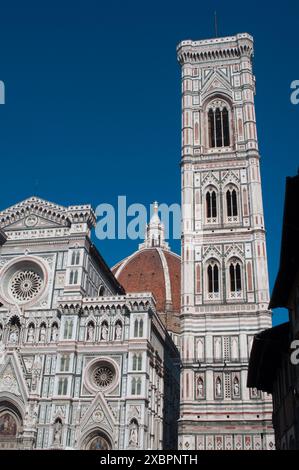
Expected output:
{"points": [[152, 270]]}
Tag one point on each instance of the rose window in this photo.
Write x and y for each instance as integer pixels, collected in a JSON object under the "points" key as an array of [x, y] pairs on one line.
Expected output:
{"points": [[25, 285], [103, 376]]}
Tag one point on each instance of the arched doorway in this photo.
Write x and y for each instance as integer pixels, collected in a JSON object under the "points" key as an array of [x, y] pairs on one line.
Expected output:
{"points": [[97, 440]]}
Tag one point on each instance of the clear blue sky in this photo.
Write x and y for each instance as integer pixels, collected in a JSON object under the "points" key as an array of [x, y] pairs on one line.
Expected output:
{"points": [[93, 100]]}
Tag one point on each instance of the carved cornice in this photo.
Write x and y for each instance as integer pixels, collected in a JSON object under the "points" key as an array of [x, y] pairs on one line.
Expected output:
{"points": [[215, 49]]}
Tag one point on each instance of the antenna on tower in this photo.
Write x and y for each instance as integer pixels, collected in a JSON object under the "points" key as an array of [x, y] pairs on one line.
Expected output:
{"points": [[216, 24]]}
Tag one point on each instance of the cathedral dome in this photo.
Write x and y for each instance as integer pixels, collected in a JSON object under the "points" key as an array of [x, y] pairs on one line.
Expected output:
{"points": [[154, 268]]}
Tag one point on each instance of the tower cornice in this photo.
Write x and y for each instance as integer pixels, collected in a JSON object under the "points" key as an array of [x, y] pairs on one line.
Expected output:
{"points": [[211, 50]]}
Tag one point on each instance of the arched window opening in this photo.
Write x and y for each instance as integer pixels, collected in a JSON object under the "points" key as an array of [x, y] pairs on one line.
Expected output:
{"points": [[213, 278], [211, 128], [101, 291], [231, 203], [218, 127], [211, 204], [235, 277], [225, 124]]}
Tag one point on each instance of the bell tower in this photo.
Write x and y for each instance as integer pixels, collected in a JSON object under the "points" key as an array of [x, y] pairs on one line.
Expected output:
{"points": [[225, 294]]}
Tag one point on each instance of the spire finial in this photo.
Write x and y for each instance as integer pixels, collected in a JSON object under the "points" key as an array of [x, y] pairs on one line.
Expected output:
{"points": [[155, 233]]}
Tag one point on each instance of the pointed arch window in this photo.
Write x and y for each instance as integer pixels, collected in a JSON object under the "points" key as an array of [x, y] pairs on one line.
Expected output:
{"points": [[231, 202], [212, 288], [213, 278], [235, 277], [218, 126], [211, 204]]}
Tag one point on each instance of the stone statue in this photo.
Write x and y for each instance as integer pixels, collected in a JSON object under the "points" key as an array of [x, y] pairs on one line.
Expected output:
{"points": [[200, 388], [30, 337], [31, 414], [236, 387], [104, 334], [54, 333], [14, 334], [118, 331], [133, 439], [57, 432], [90, 332], [42, 334], [218, 388]]}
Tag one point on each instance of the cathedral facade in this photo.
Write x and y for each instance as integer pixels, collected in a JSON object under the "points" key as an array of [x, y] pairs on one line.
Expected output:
{"points": [[83, 365], [224, 297]]}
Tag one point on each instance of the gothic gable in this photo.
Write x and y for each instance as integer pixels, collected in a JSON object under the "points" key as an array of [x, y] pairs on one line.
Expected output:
{"points": [[212, 252], [230, 177], [234, 250], [34, 213], [210, 179], [216, 83], [12, 380], [99, 414]]}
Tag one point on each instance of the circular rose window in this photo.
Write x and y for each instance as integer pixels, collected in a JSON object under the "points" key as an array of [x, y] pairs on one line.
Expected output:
{"points": [[103, 375], [23, 280], [25, 285]]}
